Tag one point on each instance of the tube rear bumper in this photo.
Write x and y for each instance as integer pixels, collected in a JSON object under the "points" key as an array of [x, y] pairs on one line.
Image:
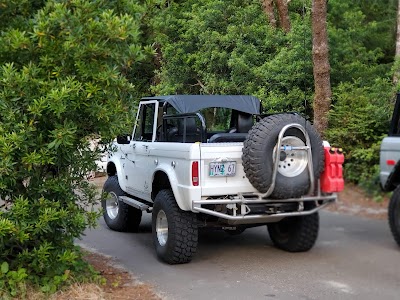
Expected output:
{"points": [[239, 205]]}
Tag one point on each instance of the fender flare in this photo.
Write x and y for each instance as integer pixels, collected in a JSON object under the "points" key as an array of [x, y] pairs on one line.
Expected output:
{"points": [[169, 171]]}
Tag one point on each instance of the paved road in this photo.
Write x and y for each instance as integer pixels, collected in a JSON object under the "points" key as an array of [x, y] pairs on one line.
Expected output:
{"points": [[354, 258]]}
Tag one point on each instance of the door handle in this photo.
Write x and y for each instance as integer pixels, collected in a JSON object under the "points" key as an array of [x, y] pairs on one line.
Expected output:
{"points": [[145, 146], [133, 146]]}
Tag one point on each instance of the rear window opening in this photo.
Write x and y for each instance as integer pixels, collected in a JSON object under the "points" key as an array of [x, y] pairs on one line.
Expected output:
{"points": [[222, 125]]}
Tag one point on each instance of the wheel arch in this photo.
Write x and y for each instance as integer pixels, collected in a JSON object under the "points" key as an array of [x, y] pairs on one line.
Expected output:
{"points": [[160, 182], [165, 178], [111, 169], [115, 168]]}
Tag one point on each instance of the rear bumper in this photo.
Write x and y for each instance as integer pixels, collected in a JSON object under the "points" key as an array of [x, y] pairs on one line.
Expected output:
{"points": [[240, 212]]}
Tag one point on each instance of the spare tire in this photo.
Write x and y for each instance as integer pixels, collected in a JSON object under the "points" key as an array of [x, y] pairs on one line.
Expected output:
{"points": [[292, 179]]}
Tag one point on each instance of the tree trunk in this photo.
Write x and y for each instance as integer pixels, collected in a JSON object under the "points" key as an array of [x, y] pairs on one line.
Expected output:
{"points": [[282, 6], [397, 55], [320, 53], [268, 8]]}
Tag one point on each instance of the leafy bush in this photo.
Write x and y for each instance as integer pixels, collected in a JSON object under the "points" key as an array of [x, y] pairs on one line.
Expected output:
{"points": [[359, 119], [228, 47], [361, 37], [63, 82], [12, 281]]}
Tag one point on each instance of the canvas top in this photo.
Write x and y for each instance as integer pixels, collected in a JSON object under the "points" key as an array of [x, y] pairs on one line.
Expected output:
{"points": [[193, 103]]}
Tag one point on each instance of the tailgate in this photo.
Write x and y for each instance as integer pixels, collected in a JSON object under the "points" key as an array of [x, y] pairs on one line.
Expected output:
{"points": [[222, 171]]}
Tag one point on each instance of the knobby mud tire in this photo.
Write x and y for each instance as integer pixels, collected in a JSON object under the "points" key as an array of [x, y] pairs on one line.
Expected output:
{"points": [[295, 234], [128, 218], [394, 215], [182, 230]]}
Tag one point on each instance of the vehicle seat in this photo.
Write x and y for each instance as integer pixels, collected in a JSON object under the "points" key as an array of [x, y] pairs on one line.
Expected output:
{"points": [[192, 132], [171, 133], [228, 137], [244, 122]]}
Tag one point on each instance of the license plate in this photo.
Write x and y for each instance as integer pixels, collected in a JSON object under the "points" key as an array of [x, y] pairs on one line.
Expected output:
{"points": [[227, 168]]}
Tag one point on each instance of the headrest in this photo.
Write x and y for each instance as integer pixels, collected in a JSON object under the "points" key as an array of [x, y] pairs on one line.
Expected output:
{"points": [[190, 126], [245, 122]]}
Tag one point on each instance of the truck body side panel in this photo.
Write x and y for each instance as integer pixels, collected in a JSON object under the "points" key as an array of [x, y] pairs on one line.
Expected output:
{"points": [[175, 160], [389, 156]]}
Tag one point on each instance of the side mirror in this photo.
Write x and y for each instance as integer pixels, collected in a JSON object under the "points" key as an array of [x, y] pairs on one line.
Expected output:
{"points": [[124, 139]]}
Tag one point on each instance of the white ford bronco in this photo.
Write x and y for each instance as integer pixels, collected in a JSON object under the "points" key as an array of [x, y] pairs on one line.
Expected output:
{"points": [[199, 161]]}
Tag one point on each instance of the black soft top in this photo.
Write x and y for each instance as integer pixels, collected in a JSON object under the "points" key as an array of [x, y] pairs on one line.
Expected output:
{"points": [[193, 103]]}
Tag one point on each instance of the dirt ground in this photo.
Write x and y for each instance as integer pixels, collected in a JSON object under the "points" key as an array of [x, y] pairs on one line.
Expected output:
{"points": [[353, 201], [119, 284]]}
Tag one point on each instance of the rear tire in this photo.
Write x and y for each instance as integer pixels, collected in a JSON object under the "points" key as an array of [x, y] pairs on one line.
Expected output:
{"points": [[175, 231], [295, 234], [118, 215], [394, 215]]}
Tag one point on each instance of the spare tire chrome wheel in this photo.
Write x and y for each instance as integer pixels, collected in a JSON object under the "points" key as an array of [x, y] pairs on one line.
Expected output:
{"points": [[292, 179], [292, 162], [162, 228]]}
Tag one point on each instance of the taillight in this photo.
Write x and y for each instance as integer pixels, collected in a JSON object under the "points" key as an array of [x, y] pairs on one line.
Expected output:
{"points": [[390, 162], [195, 173]]}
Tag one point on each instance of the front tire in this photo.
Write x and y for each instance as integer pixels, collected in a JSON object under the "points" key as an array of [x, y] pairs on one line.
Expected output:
{"points": [[295, 234], [118, 215], [394, 215], [175, 231]]}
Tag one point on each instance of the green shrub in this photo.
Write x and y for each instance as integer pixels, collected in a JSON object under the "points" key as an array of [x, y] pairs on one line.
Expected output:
{"points": [[359, 119], [228, 47], [62, 83]]}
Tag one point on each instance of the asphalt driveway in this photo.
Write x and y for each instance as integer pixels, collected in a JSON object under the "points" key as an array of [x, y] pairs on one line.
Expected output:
{"points": [[354, 258]]}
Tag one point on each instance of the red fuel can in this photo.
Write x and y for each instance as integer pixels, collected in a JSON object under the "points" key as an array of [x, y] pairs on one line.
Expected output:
{"points": [[332, 177]]}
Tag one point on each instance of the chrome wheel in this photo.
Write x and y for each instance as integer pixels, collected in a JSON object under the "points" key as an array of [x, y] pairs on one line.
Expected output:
{"points": [[112, 206], [292, 162], [162, 228]]}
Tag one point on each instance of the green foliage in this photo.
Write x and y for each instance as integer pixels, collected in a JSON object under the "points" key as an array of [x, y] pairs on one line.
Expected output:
{"points": [[378, 25], [12, 281], [361, 37], [17, 13], [63, 82], [358, 121], [228, 47]]}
